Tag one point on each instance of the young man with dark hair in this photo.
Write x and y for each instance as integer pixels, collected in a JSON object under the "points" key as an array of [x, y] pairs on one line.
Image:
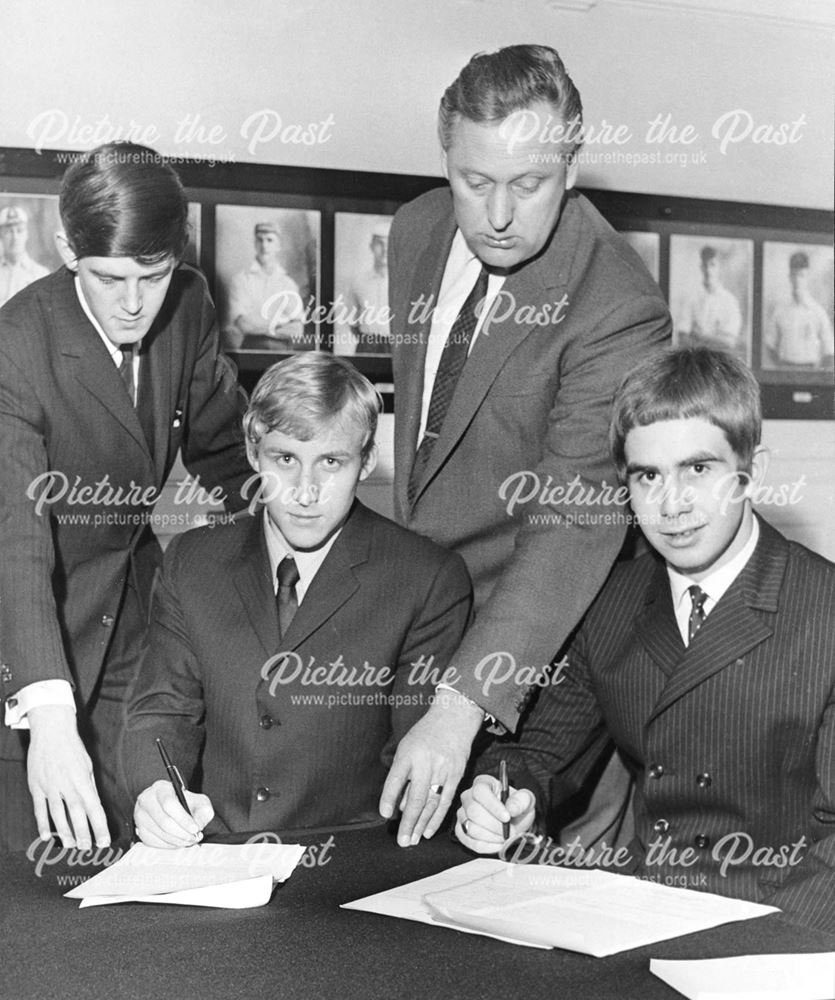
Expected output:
{"points": [[108, 368], [710, 661], [290, 650]]}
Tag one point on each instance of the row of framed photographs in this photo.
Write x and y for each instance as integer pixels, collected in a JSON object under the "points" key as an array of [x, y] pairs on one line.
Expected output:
{"points": [[298, 261]]}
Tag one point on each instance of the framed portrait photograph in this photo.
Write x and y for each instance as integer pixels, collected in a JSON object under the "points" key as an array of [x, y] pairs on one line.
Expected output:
{"points": [[192, 254], [711, 292], [796, 329], [360, 281], [648, 248], [28, 224], [267, 266]]}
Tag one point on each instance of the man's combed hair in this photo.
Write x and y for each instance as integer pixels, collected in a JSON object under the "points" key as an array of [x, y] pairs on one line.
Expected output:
{"points": [[301, 394], [494, 85], [124, 200], [679, 384]]}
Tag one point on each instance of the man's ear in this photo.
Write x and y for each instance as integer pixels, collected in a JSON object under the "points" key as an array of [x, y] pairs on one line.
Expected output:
{"points": [[65, 250], [370, 462], [252, 455], [444, 164], [759, 468], [571, 170]]}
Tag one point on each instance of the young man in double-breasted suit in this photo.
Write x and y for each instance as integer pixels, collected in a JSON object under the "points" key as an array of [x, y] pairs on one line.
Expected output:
{"points": [[710, 662]]}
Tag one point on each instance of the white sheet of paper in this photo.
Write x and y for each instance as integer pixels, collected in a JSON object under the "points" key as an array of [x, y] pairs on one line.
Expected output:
{"points": [[406, 901], [751, 977], [229, 896], [149, 871], [593, 912]]}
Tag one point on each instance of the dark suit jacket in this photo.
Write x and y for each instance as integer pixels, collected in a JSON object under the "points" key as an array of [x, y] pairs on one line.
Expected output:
{"points": [[214, 688], [64, 409], [732, 739], [534, 397]]}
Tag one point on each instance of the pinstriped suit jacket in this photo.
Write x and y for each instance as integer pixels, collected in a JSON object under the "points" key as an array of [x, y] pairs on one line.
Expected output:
{"points": [[213, 686], [732, 739], [64, 409]]}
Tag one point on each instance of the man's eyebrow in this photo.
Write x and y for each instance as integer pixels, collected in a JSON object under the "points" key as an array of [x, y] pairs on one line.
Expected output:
{"points": [[694, 459]]}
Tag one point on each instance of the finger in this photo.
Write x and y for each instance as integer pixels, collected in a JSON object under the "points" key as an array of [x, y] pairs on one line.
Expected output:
{"points": [[41, 816], [158, 830], [473, 837], [93, 814], [78, 820], [486, 795], [394, 787], [59, 820], [415, 805], [441, 809]]}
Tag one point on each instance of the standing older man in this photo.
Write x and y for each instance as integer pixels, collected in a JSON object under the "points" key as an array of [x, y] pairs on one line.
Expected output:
{"points": [[516, 309]]}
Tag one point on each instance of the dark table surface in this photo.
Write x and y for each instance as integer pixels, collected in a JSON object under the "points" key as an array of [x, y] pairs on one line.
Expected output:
{"points": [[303, 946]]}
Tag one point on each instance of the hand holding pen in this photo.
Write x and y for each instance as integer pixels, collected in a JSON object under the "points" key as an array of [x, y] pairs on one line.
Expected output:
{"points": [[167, 814]]}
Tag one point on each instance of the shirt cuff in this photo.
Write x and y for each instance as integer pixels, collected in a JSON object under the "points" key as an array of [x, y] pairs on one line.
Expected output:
{"points": [[441, 686], [52, 692]]}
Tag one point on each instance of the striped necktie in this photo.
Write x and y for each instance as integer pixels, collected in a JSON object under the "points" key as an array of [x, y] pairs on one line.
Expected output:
{"points": [[451, 365]]}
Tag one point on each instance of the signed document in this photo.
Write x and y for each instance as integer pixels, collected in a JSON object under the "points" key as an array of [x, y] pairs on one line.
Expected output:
{"points": [[223, 875], [593, 912]]}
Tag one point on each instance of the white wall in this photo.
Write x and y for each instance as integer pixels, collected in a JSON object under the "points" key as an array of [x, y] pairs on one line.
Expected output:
{"points": [[364, 77], [375, 69]]}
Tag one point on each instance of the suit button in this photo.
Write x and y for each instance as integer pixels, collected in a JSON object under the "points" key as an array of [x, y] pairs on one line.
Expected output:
{"points": [[107, 621], [266, 722], [11, 702], [262, 794], [700, 840], [661, 825], [656, 770], [704, 780], [5, 672]]}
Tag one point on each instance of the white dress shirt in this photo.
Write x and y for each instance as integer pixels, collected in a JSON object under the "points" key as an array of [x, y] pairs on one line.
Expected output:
{"points": [[460, 275], [714, 584]]}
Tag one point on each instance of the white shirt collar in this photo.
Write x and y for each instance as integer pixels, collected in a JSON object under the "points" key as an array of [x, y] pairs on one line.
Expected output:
{"points": [[113, 350], [307, 563], [714, 584]]}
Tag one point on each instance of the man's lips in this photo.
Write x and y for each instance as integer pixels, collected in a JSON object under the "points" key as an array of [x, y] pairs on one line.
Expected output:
{"points": [[500, 242], [682, 535]]}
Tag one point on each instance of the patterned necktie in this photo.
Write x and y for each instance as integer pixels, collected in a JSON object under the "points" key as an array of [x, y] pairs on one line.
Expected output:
{"points": [[450, 367], [126, 371], [697, 610], [288, 577]]}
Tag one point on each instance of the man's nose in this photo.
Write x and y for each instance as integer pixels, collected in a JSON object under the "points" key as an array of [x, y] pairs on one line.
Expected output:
{"points": [[132, 297], [500, 209]]}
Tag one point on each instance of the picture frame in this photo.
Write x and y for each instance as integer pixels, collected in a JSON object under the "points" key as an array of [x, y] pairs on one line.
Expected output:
{"points": [[754, 241]]}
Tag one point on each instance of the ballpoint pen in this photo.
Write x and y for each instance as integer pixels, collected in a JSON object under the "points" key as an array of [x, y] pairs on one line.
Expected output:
{"points": [[174, 777], [505, 790]]}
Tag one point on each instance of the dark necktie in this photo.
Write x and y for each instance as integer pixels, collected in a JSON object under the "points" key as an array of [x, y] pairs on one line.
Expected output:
{"points": [[126, 371], [697, 610], [451, 365], [288, 577]]}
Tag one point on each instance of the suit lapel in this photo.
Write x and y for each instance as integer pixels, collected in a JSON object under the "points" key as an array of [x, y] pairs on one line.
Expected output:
{"points": [[85, 354], [544, 280], [253, 583], [656, 626], [419, 309], [335, 582], [736, 625]]}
